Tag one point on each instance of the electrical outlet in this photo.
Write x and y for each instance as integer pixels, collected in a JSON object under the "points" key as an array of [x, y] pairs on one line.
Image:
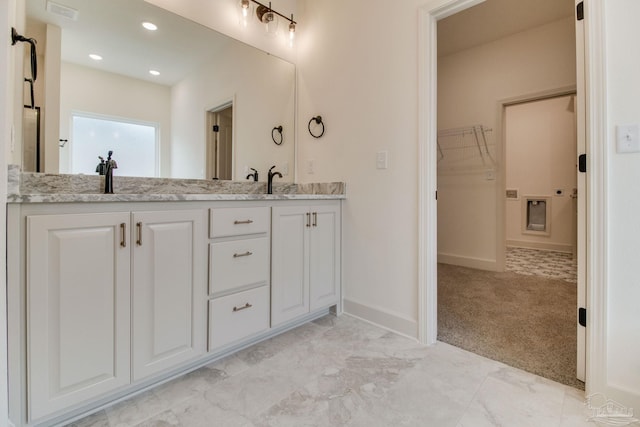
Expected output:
{"points": [[285, 168], [310, 167]]}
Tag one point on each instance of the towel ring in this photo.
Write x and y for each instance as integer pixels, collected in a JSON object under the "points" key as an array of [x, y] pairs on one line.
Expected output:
{"points": [[318, 120], [274, 136]]}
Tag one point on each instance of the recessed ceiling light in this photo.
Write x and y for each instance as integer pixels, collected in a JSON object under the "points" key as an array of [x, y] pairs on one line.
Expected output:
{"points": [[95, 57], [150, 26], [154, 72]]}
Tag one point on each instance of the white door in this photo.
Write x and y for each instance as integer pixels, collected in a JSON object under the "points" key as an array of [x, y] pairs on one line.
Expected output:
{"points": [[289, 263], [581, 197], [169, 301], [78, 304], [324, 263]]}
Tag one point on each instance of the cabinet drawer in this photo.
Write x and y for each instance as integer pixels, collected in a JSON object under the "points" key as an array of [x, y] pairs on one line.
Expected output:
{"points": [[238, 263], [237, 316], [226, 222]]}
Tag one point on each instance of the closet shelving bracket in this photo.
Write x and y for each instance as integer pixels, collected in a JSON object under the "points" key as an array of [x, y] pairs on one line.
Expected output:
{"points": [[465, 148]]}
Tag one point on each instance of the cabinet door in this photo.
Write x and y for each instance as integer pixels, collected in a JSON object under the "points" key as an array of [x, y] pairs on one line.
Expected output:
{"points": [[169, 294], [78, 308], [324, 262], [289, 263]]}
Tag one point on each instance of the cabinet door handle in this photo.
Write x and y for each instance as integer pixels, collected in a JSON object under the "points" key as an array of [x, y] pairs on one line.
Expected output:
{"points": [[241, 255], [315, 219], [244, 307], [139, 229], [123, 235], [246, 221], [308, 219]]}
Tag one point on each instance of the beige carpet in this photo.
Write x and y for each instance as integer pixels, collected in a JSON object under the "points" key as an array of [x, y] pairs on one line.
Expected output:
{"points": [[528, 322]]}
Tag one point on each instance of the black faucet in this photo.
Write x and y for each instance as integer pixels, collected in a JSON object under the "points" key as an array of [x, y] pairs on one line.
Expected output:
{"points": [[270, 179], [254, 175], [110, 165]]}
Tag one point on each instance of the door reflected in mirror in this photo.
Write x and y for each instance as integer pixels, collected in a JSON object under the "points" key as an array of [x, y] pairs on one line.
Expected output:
{"points": [[220, 142]]}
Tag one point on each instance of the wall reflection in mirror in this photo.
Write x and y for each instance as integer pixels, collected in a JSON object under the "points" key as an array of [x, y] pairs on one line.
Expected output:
{"points": [[212, 99]]}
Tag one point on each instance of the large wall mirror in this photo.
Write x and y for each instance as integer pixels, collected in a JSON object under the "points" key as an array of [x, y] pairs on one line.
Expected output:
{"points": [[168, 124]]}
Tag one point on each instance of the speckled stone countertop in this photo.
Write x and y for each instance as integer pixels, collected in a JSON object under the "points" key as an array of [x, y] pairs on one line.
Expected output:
{"points": [[28, 187]]}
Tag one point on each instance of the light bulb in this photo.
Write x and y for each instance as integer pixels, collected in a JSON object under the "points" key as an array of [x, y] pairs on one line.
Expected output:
{"points": [[245, 12], [292, 32]]}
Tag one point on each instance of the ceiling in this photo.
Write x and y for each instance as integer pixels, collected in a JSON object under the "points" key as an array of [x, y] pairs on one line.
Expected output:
{"points": [[495, 19], [112, 29]]}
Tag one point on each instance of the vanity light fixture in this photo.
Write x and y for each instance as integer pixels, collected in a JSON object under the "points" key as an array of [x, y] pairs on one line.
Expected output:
{"points": [[95, 57], [150, 26], [268, 16]]}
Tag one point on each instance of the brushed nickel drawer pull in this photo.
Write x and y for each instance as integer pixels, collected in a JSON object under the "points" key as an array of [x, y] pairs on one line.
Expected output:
{"points": [[244, 307], [123, 235], [247, 221], [308, 219], [244, 254], [315, 219], [139, 228]]}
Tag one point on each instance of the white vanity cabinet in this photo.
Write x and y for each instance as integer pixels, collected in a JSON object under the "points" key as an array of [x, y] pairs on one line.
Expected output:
{"points": [[78, 297], [168, 312], [113, 298], [305, 259], [108, 299], [238, 274]]}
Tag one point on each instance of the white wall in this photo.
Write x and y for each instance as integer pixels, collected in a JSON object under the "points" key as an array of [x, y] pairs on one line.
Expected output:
{"points": [[540, 146], [357, 69], [84, 89], [263, 91], [623, 269], [471, 83]]}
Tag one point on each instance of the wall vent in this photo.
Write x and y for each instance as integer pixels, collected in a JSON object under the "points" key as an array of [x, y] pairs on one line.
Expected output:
{"points": [[512, 194], [62, 10]]}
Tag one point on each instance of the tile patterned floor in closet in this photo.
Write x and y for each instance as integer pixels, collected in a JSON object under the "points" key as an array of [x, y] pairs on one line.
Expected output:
{"points": [[346, 372], [535, 262]]}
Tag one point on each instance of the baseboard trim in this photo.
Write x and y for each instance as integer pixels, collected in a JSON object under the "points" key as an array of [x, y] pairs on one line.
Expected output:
{"points": [[380, 317], [462, 261], [556, 247]]}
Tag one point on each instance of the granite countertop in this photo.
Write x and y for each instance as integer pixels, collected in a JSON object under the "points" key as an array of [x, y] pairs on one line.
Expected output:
{"points": [[29, 187]]}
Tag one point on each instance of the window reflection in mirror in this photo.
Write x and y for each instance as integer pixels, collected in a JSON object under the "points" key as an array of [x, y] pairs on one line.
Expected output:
{"points": [[133, 145]]}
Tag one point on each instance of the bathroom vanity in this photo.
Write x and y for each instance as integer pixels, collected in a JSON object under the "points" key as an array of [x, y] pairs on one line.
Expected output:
{"points": [[110, 294]]}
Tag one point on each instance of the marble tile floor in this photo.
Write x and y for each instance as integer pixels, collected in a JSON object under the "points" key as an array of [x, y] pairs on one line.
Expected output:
{"points": [[537, 262], [341, 371]]}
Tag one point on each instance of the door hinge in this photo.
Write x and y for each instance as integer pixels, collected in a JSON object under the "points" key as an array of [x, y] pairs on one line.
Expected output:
{"points": [[582, 163], [436, 194], [580, 11], [582, 316], [216, 128]]}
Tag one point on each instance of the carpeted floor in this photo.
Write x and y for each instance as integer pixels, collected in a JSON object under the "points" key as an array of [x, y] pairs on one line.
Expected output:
{"points": [[524, 321]]}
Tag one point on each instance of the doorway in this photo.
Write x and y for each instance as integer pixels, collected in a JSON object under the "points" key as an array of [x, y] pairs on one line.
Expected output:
{"points": [[477, 220], [525, 316], [220, 142]]}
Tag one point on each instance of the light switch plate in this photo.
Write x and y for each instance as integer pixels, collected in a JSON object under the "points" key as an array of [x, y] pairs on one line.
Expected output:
{"points": [[627, 139], [382, 160]]}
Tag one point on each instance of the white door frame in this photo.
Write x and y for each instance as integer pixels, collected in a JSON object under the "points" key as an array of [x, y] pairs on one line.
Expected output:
{"points": [[596, 133]]}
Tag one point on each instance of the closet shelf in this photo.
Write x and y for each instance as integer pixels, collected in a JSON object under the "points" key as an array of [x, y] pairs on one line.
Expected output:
{"points": [[465, 149]]}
